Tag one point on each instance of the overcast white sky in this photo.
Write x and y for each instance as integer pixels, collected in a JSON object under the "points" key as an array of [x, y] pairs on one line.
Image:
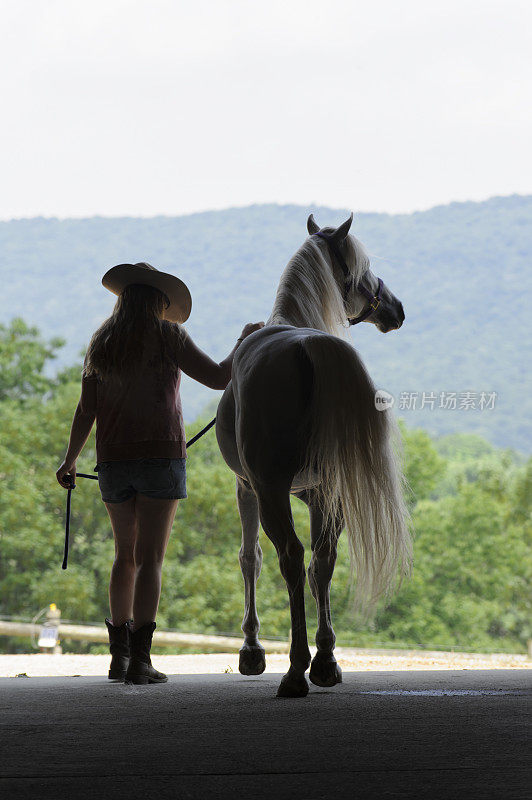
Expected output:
{"points": [[135, 107]]}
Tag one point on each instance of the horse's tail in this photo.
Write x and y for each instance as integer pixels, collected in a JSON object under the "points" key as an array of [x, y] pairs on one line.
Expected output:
{"points": [[353, 448]]}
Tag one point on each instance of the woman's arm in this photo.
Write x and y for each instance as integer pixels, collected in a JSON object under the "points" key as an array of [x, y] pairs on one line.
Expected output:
{"points": [[198, 365], [82, 423]]}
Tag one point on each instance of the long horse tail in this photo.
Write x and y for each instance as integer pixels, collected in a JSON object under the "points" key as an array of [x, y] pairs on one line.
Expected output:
{"points": [[355, 450]]}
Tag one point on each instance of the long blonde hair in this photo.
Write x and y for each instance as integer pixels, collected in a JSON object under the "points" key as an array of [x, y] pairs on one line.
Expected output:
{"points": [[117, 346]]}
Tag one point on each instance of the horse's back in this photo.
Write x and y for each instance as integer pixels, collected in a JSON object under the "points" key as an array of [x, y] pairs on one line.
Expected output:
{"points": [[272, 371], [272, 391]]}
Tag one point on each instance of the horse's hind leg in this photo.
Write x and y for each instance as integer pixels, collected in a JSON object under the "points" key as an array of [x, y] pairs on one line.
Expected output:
{"points": [[252, 659], [276, 519], [324, 670]]}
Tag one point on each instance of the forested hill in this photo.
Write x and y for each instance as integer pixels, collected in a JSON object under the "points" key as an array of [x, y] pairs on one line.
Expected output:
{"points": [[461, 270]]}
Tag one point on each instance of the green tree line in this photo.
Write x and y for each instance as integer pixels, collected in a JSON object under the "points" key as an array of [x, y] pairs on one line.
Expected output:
{"points": [[470, 505]]}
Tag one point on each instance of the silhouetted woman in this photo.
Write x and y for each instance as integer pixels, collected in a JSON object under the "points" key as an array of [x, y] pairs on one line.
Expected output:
{"points": [[130, 386]]}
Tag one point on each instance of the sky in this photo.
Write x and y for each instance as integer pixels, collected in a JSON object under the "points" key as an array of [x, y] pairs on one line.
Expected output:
{"points": [[128, 107]]}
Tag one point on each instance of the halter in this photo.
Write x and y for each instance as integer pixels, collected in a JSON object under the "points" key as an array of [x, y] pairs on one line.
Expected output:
{"points": [[374, 299]]}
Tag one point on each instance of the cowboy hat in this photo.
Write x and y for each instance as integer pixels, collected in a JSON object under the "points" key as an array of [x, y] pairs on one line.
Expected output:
{"points": [[179, 300]]}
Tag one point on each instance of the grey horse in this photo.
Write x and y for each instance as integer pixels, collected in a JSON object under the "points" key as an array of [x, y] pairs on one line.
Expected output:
{"points": [[299, 417]]}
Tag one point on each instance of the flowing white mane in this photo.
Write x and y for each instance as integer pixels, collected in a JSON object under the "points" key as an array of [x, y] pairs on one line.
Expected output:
{"points": [[308, 294]]}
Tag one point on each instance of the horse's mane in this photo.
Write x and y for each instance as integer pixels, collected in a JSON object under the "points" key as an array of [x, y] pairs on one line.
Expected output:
{"points": [[308, 295]]}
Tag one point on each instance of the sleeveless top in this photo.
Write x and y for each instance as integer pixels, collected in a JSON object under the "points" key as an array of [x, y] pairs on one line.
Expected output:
{"points": [[140, 417]]}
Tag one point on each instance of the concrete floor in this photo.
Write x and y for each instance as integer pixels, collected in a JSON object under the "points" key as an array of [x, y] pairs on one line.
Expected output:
{"points": [[454, 734]]}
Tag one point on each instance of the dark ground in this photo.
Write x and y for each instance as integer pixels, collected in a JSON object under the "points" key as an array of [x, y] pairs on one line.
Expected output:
{"points": [[445, 734]]}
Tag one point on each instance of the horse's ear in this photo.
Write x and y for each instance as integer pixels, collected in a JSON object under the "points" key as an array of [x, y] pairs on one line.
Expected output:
{"points": [[343, 229], [312, 227]]}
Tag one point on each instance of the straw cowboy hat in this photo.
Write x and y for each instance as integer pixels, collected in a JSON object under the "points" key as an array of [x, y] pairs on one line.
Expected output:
{"points": [[179, 300]]}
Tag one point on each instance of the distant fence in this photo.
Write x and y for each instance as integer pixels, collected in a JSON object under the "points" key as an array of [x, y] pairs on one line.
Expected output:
{"points": [[216, 643], [93, 633]]}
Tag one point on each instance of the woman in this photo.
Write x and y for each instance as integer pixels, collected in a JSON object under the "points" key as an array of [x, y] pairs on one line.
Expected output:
{"points": [[130, 386]]}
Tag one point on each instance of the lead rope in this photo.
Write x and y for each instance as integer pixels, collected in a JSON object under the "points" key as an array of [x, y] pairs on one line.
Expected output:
{"points": [[95, 478]]}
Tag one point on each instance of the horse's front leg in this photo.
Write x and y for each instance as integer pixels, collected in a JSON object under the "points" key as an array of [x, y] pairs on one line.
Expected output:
{"points": [[324, 670], [252, 657], [276, 519]]}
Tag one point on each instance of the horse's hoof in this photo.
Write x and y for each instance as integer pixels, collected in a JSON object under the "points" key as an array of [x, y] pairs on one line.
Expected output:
{"points": [[252, 660], [325, 671], [291, 686]]}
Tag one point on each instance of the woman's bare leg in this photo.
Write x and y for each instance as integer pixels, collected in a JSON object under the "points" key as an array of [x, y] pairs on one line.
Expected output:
{"points": [[122, 582], [154, 520]]}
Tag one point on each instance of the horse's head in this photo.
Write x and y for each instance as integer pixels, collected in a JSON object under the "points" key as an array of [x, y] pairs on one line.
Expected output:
{"points": [[366, 297]]}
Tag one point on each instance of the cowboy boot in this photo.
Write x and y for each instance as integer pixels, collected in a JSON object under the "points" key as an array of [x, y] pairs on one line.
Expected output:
{"points": [[140, 668], [119, 649]]}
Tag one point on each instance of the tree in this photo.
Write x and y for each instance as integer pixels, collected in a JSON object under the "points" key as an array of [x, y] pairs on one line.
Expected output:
{"points": [[23, 358], [471, 513]]}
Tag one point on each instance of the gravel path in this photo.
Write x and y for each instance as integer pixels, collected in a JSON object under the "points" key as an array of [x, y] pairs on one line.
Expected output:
{"points": [[351, 660]]}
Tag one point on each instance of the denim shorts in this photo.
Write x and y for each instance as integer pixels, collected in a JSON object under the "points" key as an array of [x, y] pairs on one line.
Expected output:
{"points": [[160, 478]]}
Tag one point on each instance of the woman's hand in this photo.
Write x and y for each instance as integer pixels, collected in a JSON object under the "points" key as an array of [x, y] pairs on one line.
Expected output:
{"points": [[251, 327], [197, 364], [66, 474]]}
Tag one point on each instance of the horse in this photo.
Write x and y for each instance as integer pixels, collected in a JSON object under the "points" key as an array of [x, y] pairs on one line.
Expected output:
{"points": [[300, 417]]}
